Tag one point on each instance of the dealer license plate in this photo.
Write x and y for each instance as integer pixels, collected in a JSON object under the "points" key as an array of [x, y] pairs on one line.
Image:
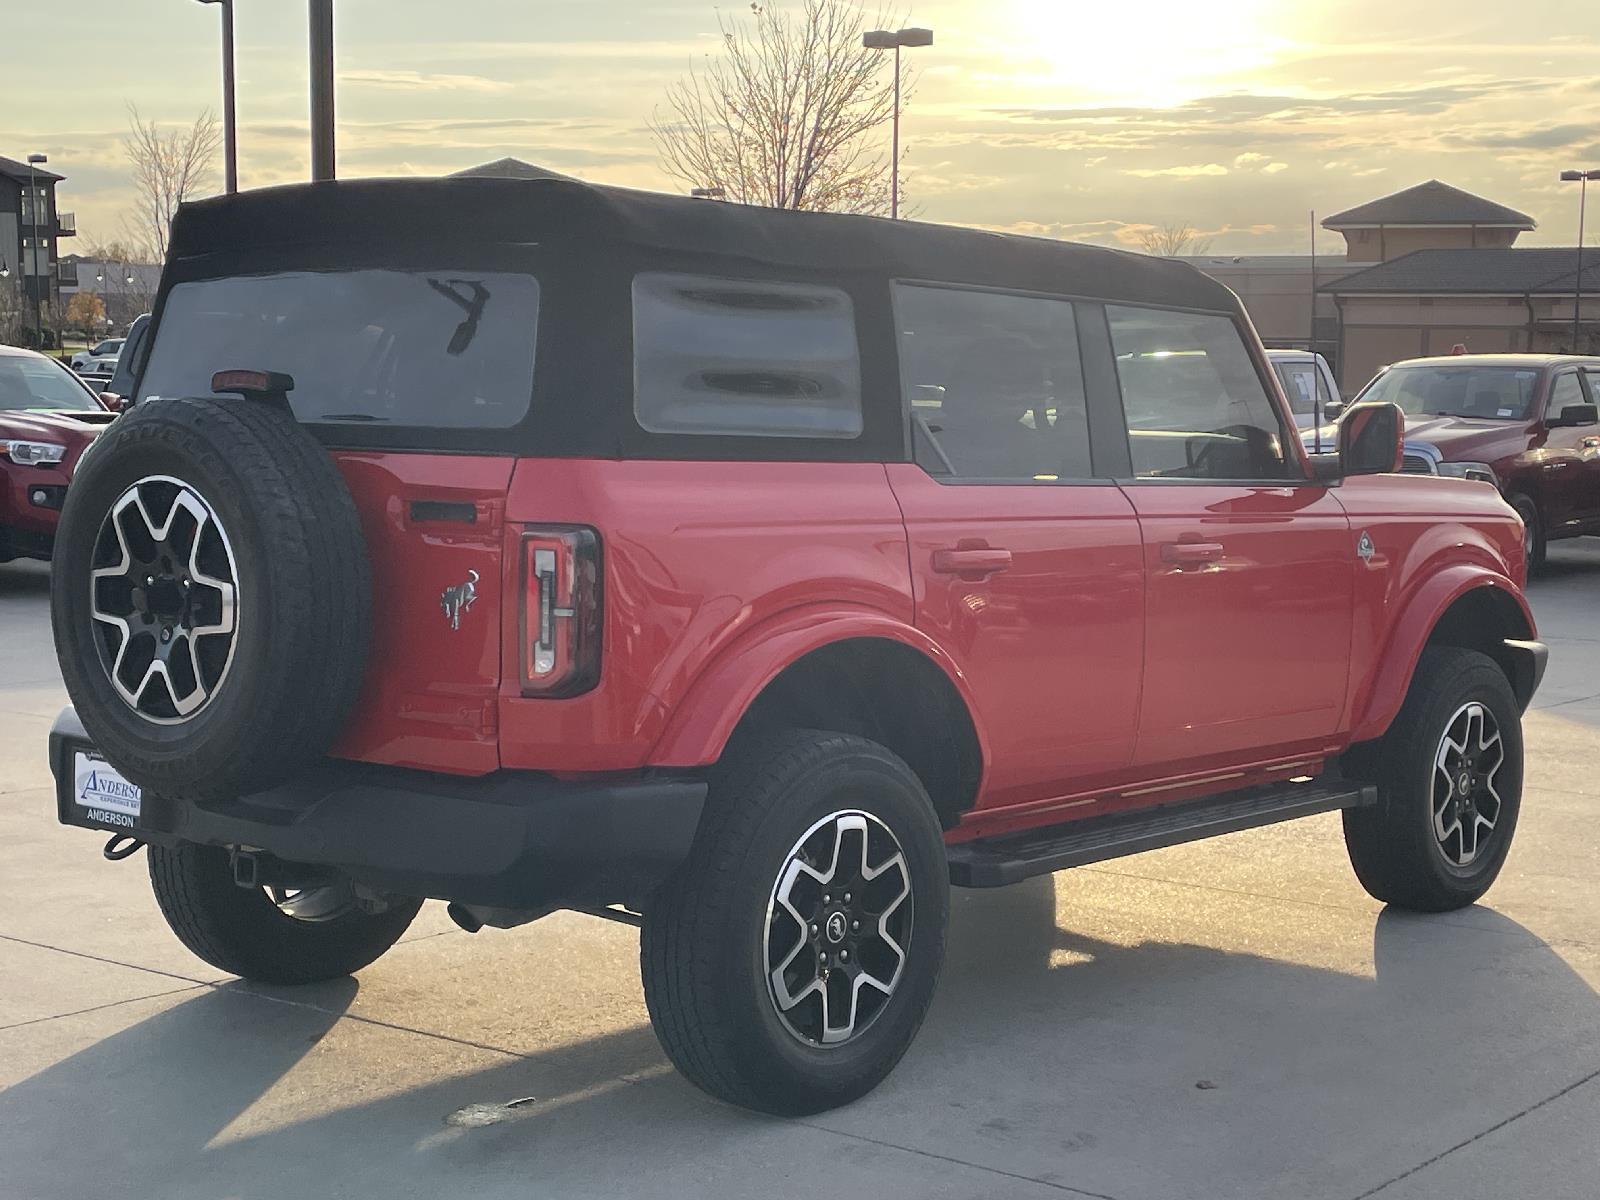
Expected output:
{"points": [[101, 794]]}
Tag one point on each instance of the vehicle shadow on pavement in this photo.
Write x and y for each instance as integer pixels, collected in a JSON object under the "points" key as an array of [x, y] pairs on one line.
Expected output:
{"points": [[22, 579], [1060, 1048]]}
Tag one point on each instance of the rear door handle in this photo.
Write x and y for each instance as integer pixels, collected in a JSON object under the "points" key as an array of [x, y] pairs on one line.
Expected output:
{"points": [[985, 561], [1189, 554]]}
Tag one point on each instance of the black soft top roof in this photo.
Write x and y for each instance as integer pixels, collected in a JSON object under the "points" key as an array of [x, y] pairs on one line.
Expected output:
{"points": [[476, 211]]}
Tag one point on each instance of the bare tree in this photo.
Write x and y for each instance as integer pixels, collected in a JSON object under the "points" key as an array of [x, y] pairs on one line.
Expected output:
{"points": [[168, 168], [1169, 241], [117, 251], [786, 115]]}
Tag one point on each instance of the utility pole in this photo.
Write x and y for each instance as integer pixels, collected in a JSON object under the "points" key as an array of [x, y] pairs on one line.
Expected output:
{"points": [[322, 89], [230, 145], [1581, 178]]}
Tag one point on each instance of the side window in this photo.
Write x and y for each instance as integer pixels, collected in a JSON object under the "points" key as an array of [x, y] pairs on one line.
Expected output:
{"points": [[744, 357], [993, 383], [1564, 392], [1195, 406]]}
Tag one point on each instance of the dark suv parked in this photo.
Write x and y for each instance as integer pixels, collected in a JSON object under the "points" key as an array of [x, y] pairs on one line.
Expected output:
{"points": [[749, 576]]}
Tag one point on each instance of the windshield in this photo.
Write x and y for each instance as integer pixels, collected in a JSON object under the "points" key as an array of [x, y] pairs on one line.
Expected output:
{"points": [[1486, 393], [108, 347], [27, 382], [448, 349]]}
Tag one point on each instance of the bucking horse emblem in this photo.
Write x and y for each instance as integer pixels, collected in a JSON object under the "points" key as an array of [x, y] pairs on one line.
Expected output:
{"points": [[457, 599]]}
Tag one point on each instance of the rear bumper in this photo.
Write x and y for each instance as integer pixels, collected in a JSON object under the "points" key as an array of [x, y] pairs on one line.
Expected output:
{"points": [[513, 839]]}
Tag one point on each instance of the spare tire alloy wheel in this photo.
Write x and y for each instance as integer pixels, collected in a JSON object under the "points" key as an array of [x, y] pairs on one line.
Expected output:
{"points": [[165, 596], [838, 924], [210, 597], [1466, 804]]}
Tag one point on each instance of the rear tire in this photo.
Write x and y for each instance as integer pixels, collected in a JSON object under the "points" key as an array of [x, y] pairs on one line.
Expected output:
{"points": [[1533, 538], [243, 932], [1414, 849], [792, 823]]}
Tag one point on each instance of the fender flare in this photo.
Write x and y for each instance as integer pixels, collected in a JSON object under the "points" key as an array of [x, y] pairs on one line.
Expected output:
{"points": [[703, 721], [1377, 705]]}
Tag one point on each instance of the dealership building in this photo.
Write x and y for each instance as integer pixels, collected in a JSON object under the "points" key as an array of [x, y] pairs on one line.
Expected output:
{"points": [[1425, 270]]}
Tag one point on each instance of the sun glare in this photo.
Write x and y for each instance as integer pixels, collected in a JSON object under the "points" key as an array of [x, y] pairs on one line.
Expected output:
{"points": [[1148, 52]]}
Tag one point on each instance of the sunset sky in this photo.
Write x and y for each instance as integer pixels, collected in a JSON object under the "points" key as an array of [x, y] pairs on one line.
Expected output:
{"points": [[1080, 120]]}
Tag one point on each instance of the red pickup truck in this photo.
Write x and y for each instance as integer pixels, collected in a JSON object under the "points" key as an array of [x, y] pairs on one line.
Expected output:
{"points": [[749, 576]]}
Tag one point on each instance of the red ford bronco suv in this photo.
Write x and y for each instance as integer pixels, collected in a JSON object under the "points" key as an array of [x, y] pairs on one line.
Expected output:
{"points": [[749, 576]]}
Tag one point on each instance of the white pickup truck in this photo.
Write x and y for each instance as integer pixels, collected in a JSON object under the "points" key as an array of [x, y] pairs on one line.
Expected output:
{"points": [[1309, 384]]}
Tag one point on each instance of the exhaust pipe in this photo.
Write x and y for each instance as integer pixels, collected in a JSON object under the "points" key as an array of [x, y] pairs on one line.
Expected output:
{"points": [[473, 917]]}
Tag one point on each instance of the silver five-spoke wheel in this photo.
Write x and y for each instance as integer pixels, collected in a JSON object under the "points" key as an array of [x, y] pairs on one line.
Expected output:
{"points": [[1466, 803], [838, 924], [164, 598]]}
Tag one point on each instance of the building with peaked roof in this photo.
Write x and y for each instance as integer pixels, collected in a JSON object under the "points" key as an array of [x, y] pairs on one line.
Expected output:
{"points": [[1431, 215], [1426, 269], [30, 229], [508, 168], [1487, 300]]}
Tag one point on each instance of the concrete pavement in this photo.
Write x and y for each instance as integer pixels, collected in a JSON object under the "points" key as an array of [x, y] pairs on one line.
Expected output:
{"points": [[1231, 1019]]}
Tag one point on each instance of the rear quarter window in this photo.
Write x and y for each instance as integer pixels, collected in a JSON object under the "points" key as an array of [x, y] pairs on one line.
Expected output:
{"points": [[744, 357], [433, 349]]}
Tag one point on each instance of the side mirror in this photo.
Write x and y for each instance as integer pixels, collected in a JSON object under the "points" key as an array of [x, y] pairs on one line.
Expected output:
{"points": [[1576, 414], [113, 401], [1331, 409], [1371, 439]]}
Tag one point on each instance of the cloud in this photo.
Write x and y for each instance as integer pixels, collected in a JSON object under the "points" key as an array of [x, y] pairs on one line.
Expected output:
{"points": [[1272, 168], [418, 81], [1181, 172], [1250, 158], [1280, 107], [1537, 137]]}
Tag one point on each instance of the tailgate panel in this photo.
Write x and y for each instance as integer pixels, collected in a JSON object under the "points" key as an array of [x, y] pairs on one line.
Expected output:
{"points": [[435, 528]]}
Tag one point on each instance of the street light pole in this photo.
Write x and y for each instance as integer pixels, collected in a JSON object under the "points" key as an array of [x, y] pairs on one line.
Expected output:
{"points": [[884, 39], [894, 144], [322, 89], [1582, 179], [230, 146]]}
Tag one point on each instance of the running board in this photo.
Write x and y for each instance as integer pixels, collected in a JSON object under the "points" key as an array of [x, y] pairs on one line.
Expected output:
{"points": [[995, 862]]}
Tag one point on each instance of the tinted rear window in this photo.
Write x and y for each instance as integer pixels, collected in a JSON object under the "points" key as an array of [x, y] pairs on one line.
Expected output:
{"points": [[727, 356], [439, 350]]}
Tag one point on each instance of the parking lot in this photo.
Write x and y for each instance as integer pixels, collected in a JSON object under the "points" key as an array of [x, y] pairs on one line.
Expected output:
{"points": [[1230, 1019]]}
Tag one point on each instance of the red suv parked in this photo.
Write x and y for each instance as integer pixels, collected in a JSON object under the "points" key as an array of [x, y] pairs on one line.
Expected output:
{"points": [[48, 417], [1527, 423], [749, 576]]}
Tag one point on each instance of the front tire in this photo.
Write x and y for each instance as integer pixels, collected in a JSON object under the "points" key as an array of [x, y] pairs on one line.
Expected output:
{"points": [[1449, 775], [1533, 538], [791, 960], [247, 932]]}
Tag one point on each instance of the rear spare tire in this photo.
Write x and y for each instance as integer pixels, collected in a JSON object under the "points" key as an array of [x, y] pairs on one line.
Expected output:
{"points": [[210, 596]]}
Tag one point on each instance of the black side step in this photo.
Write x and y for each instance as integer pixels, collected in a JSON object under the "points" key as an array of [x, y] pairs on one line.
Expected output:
{"points": [[995, 862]]}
